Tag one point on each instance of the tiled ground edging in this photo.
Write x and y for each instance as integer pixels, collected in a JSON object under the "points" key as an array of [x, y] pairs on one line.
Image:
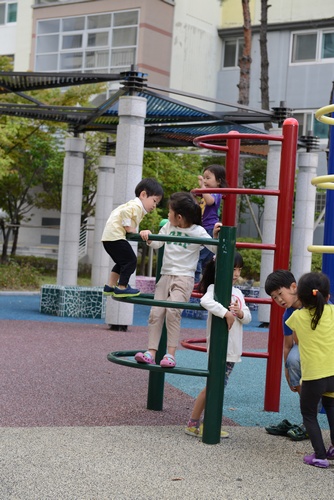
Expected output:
{"points": [[73, 301]]}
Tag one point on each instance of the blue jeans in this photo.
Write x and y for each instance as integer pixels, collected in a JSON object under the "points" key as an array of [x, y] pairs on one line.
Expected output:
{"points": [[292, 364], [205, 256]]}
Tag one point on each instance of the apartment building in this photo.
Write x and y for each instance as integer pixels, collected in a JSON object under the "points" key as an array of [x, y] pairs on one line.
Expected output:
{"points": [[175, 42], [300, 40]]}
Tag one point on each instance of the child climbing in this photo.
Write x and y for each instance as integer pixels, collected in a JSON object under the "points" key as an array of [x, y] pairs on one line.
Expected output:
{"points": [[177, 274]]}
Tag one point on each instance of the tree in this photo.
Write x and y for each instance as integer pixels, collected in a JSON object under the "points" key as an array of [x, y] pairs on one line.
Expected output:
{"points": [[245, 60], [31, 157], [17, 187], [264, 79]]}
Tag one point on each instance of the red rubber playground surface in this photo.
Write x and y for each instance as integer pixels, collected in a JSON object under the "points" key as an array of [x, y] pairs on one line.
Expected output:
{"points": [[56, 373]]}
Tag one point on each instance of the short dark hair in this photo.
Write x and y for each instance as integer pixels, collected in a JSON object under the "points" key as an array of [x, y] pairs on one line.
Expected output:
{"points": [[281, 278], [151, 186], [185, 204], [219, 172], [238, 260], [208, 276]]}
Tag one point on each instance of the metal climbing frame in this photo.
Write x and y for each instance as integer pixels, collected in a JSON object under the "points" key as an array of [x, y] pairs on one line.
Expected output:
{"points": [[224, 265], [281, 246]]}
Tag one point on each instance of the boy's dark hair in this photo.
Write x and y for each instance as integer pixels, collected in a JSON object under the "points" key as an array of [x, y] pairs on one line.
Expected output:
{"points": [[151, 186], [209, 272], [185, 204], [219, 172], [281, 278], [313, 290]]}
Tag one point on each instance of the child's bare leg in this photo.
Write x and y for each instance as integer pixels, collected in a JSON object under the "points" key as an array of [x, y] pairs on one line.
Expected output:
{"points": [[199, 405], [113, 279], [171, 350]]}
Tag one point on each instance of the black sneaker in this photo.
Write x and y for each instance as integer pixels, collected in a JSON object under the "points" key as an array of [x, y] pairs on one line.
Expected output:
{"points": [[108, 290], [126, 292], [297, 433]]}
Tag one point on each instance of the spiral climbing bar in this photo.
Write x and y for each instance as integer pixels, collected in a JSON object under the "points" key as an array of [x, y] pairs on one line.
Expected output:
{"points": [[324, 181], [120, 358], [191, 344], [321, 113]]}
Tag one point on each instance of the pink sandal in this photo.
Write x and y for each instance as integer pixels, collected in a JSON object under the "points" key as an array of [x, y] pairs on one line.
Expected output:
{"points": [[168, 361], [145, 357]]}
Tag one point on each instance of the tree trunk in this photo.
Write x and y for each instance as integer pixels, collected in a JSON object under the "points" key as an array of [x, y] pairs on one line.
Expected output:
{"points": [[15, 240], [245, 60], [6, 236], [264, 79]]}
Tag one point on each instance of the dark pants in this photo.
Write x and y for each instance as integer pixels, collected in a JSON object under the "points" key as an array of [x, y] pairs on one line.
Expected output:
{"points": [[205, 256], [311, 392], [124, 257]]}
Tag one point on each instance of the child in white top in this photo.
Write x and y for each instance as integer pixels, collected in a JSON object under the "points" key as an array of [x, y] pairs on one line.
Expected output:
{"points": [[237, 315], [177, 273], [125, 219]]}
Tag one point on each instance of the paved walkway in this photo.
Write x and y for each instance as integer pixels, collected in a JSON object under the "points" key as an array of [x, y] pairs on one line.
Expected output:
{"points": [[75, 426]]}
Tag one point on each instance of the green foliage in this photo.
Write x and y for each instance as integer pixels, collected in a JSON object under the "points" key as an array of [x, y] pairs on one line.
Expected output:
{"points": [[254, 178], [30, 273], [43, 265], [316, 262], [16, 277], [176, 172], [252, 260]]}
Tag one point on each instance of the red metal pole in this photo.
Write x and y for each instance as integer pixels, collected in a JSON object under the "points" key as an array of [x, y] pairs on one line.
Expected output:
{"points": [[281, 259], [232, 167]]}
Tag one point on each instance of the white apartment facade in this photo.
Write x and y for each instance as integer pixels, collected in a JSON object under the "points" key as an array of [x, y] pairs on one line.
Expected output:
{"points": [[175, 42]]}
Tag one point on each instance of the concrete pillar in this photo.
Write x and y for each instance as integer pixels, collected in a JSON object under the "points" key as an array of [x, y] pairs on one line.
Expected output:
{"points": [[70, 219], [129, 170], [269, 219], [304, 214], [104, 206]]}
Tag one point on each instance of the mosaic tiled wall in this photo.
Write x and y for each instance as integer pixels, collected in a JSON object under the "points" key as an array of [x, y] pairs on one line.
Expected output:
{"points": [[73, 301]]}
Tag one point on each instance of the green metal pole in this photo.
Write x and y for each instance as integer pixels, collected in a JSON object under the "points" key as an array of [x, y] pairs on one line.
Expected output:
{"points": [[219, 337], [156, 381]]}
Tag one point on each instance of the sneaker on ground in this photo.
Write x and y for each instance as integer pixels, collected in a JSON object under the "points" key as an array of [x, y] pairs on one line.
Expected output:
{"points": [[126, 292], [297, 433], [330, 453], [317, 462], [198, 432], [193, 431], [108, 290]]}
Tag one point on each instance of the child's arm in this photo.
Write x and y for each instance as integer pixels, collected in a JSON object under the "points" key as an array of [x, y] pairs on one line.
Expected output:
{"points": [[207, 197], [145, 235], [215, 308], [239, 308]]}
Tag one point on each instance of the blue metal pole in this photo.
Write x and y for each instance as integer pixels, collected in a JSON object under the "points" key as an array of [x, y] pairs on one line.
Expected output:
{"points": [[328, 259]]}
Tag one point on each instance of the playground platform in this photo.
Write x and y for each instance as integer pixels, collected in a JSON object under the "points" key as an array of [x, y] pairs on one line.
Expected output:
{"points": [[75, 426]]}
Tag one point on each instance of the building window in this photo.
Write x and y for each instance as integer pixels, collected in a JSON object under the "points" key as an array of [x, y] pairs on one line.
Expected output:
{"points": [[312, 46], [320, 203], [307, 123], [8, 12], [51, 221], [232, 52], [101, 43], [49, 240]]}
